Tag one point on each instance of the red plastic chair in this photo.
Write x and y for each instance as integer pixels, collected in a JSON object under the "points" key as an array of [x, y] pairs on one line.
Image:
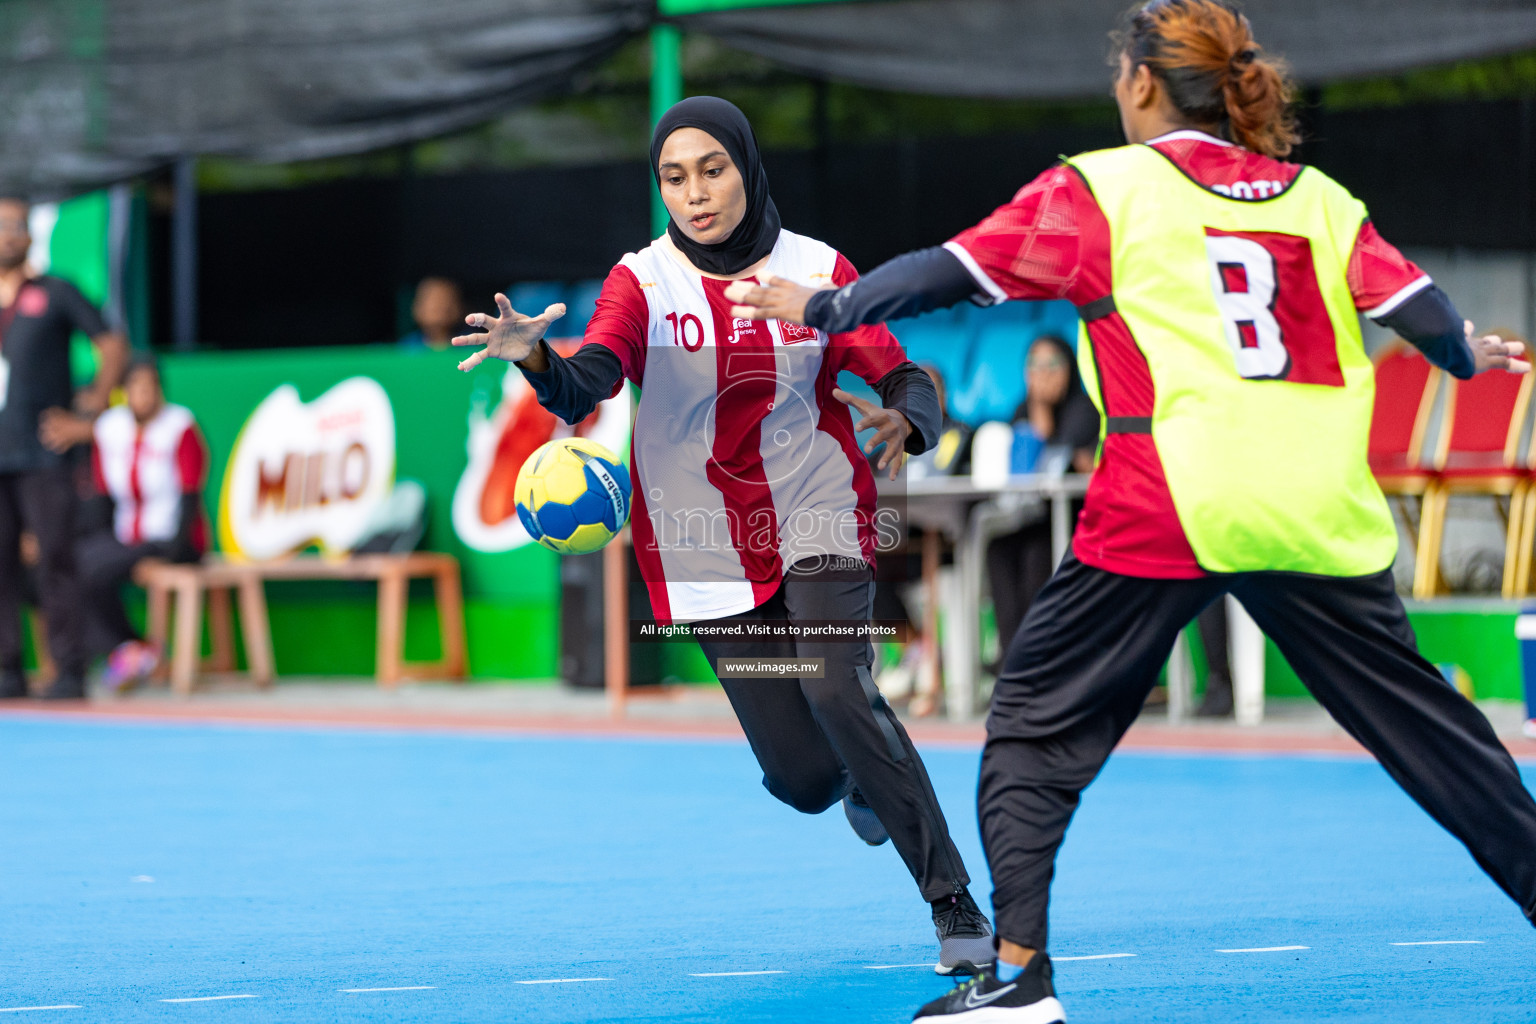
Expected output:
{"points": [[1406, 387], [1478, 454]]}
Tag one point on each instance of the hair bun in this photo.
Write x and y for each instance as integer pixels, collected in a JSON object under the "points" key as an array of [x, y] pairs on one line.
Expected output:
{"points": [[1214, 72]]}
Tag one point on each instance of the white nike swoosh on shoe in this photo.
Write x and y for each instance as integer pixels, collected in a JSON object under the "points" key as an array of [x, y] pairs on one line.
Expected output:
{"points": [[971, 1000]]}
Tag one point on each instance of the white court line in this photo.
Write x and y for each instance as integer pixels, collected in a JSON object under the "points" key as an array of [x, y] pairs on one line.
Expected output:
{"points": [[207, 999], [1264, 949], [392, 988], [1096, 956], [1442, 942], [561, 981], [25, 1009], [732, 974], [892, 967]]}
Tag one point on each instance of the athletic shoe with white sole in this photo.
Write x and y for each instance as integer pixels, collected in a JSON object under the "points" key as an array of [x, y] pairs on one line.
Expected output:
{"points": [[1027, 999], [865, 824], [965, 935]]}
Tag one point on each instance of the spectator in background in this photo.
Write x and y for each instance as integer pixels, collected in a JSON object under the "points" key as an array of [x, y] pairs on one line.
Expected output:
{"points": [[38, 314], [438, 312], [1056, 429], [150, 463]]}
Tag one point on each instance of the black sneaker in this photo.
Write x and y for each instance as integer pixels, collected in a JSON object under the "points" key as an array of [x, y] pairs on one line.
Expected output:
{"points": [[965, 935], [865, 825], [66, 687], [1027, 999], [13, 685]]}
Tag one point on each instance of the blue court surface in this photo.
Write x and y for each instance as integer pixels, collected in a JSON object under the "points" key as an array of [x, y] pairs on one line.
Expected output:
{"points": [[189, 872]]}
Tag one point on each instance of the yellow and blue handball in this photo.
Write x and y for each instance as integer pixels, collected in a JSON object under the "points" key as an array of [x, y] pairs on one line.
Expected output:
{"points": [[573, 495]]}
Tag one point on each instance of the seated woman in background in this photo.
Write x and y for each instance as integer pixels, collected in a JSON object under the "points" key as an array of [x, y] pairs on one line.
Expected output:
{"points": [[1056, 430], [149, 463]]}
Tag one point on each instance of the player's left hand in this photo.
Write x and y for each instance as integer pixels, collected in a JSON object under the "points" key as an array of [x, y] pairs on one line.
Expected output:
{"points": [[773, 299], [1491, 352], [890, 426]]}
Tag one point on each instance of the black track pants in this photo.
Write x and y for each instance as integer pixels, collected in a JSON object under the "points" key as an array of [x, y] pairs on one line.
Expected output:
{"points": [[105, 565], [1091, 647], [42, 501], [818, 738]]}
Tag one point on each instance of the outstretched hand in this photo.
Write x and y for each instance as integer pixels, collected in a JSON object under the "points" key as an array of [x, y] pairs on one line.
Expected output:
{"points": [[1491, 352], [773, 299], [511, 336], [890, 426]]}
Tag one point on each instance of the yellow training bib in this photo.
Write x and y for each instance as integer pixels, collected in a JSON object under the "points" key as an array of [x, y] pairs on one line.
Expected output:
{"points": [[1263, 388]]}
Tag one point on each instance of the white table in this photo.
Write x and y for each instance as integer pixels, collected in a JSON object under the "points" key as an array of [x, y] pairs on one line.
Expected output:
{"points": [[970, 515]]}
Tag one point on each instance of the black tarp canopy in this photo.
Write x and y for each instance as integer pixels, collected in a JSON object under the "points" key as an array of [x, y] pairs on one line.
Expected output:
{"points": [[1056, 48], [93, 91]]}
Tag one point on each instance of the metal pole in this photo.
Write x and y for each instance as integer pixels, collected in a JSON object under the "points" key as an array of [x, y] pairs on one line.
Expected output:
{"points": [[666, 89], [184, 256], [119, 233]]}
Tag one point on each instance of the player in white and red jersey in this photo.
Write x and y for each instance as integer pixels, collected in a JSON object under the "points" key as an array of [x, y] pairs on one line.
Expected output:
{"points": [[753, 504], [1219, 287], [149, 462]]}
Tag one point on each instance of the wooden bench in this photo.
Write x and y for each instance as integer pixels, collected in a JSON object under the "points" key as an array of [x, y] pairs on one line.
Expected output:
{"points": [[217, 578]]}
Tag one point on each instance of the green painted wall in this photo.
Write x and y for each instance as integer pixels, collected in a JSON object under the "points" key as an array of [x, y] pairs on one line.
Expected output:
{"points": [[77, 252], [1477, 635]]}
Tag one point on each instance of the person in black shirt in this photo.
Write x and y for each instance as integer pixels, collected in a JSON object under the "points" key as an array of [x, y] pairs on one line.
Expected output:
{"points": [[1059, 422], [38, 314]]}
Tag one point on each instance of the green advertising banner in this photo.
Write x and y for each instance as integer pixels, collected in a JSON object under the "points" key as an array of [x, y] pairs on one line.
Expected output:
{"points": [[440, 414]]}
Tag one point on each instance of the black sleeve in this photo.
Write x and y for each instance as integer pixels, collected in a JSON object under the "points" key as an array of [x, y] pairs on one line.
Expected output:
{"points": [[910, 390], [905, 286], [573, 385], [82, 316], [1431, 323]]}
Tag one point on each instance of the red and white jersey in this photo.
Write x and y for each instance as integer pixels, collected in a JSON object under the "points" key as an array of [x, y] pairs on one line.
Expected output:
{"points": [[146, 470], [1053, 242], [743, 462]]}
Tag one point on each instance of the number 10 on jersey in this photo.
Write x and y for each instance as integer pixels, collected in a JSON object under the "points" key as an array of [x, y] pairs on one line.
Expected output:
{"points": [[687, 331]]}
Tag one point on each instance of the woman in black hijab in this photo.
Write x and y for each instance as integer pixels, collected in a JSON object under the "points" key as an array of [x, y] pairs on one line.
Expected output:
{"points": [[724, 249], [754, 507]]}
